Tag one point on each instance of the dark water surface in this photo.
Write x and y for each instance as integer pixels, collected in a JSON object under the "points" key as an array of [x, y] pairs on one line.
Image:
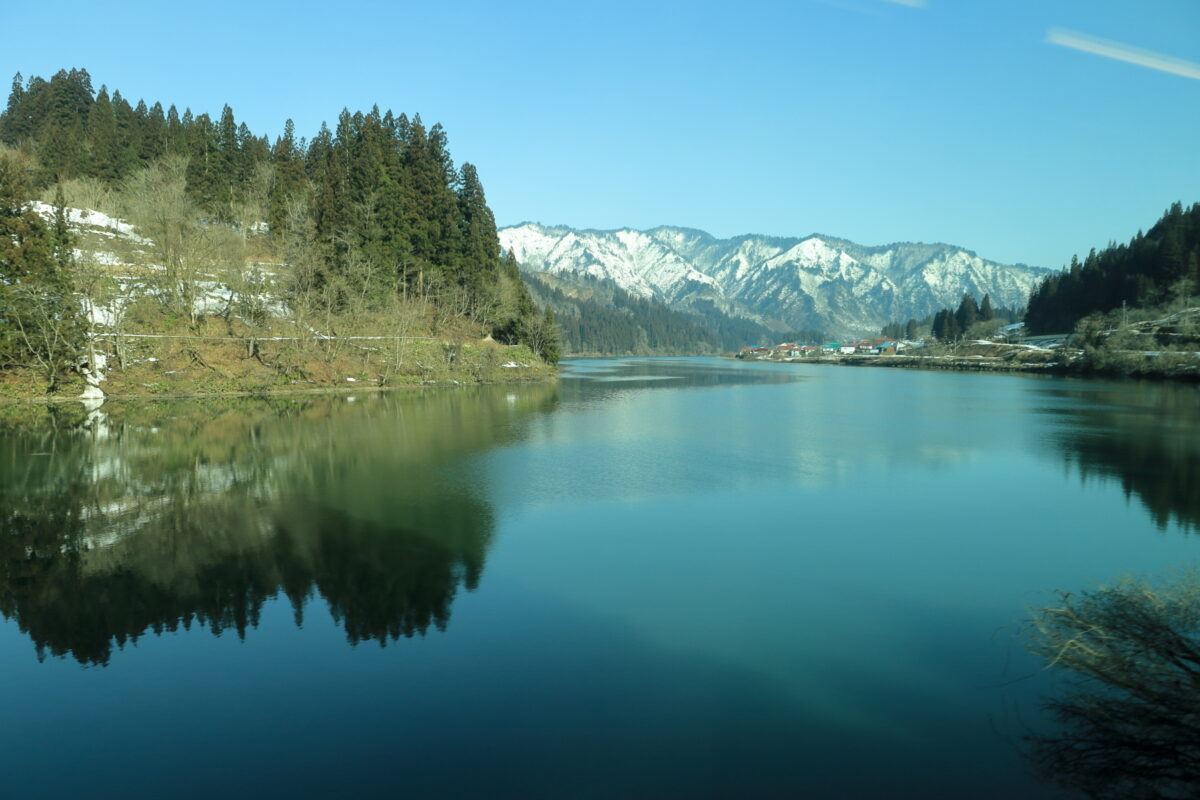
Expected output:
{"points": [[660, 578]]}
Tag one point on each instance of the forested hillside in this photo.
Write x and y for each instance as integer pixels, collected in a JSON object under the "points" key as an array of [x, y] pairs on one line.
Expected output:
{"points": [[596, 316], [1154, 269], [369, 221]]}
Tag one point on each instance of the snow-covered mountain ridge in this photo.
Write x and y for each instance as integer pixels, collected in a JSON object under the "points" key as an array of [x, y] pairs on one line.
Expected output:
{"points": [[786, 283]]}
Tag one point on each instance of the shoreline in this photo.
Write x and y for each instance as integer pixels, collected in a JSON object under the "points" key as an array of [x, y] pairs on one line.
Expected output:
{"points": [[97, 402], [949, 363], [943, 363]]}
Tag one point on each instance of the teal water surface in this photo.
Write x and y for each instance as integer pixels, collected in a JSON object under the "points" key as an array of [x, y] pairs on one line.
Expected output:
{"points": [[657, 578]]}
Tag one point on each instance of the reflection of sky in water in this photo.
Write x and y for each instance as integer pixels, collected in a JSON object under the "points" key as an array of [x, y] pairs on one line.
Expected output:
{"points": [[857, 537], [770, 424], [616, 378]]}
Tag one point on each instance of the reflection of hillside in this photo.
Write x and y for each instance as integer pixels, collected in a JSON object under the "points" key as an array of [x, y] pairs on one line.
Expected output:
{"points": [[1147, 437], [165, 515], [595, 379]]}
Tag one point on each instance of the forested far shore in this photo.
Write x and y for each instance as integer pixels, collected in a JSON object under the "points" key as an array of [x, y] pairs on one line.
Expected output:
{"points": [[1133, 309], [1127, 310], [292, 248], [1157, 271]]}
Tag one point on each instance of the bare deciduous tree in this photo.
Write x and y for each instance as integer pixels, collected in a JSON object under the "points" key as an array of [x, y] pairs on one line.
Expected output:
{"points": [[48, 325], [184, 251]]}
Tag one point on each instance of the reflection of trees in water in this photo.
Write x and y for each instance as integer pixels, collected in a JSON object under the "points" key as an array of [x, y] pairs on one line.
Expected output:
{"points": [[1148, 438], [1130, 720], [170, 515], [382, 582]]}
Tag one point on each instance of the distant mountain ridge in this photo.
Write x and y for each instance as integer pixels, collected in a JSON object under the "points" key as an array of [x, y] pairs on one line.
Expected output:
{"points": [[783, 283]]}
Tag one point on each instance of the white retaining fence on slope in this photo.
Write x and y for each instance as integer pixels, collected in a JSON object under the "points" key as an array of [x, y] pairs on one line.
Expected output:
{"points": [[316, 337]]}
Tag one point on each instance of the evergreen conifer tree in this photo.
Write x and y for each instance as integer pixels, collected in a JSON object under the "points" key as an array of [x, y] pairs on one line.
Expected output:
{"points": [[14, 123], [967, 313], [985, 309], [61, 238], [104, 152], [550, 350], [227, 167], [480, 244], [204, 164], [176, 143], [40, 320], [25, 249], [953, 329], [153, 141], [328, 177], [128, 135], [64, 104], [290, 182]]}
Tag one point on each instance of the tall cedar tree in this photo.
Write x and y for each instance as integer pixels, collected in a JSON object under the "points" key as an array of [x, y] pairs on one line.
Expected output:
{"points": [[204, 179], [104, 151], [128, 134], [290, 184], [480, 244], [967, 313], [154, 133]]}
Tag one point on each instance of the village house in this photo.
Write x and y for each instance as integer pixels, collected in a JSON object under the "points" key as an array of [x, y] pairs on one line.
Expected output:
{"points": [[754, 352], [884, 347]]}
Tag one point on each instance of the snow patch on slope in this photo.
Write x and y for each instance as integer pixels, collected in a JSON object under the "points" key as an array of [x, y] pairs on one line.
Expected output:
{"points": [[85, 218]]}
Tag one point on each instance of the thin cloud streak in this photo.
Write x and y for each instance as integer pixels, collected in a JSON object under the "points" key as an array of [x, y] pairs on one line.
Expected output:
{"points": [[909, 3], [1122, 52]]}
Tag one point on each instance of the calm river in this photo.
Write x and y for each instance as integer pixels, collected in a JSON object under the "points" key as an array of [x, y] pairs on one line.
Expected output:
{"points": [[659, 578]]}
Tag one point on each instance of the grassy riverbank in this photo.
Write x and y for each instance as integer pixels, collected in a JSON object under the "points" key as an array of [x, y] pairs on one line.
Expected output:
{"points": [[214, 362]]}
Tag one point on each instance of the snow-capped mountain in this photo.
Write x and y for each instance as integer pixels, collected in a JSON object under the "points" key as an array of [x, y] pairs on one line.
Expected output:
{"points": [[787, 284]]}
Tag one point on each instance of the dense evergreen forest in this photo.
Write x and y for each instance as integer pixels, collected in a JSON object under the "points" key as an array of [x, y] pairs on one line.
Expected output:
{"points": [[1154, 269], [369, 211], [597, 316]]}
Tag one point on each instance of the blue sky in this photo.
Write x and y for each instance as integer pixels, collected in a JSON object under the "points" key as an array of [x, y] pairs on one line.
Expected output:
{"points": [[878, 121]]}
